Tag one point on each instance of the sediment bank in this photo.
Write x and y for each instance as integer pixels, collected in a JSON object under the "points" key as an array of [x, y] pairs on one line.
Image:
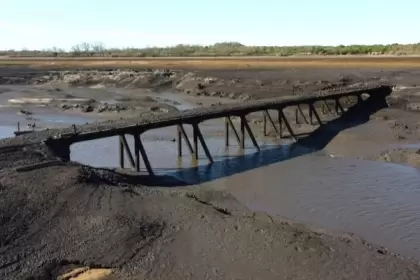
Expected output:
{"points": [[59, 216]]}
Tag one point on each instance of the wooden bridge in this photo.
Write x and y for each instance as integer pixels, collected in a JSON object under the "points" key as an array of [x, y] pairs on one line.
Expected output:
{"points": [[329, 103]]}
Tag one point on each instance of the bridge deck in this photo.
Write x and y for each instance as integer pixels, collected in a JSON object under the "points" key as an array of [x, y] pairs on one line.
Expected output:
{"points": [[144, 123]]}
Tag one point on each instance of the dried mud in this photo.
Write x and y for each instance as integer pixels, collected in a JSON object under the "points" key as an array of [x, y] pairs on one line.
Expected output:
{"points": [[60, 217]]}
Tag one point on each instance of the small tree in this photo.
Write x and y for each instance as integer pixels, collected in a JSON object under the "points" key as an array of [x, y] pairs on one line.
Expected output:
{"points": [[76, 50], [85, 47], [98, 48]]}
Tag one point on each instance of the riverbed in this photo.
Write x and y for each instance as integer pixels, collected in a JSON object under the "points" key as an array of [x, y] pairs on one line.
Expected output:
{"points": [[377, 201]]}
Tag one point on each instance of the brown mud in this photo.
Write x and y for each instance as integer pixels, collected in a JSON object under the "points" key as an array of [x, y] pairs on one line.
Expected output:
{"points": [[61, 217]]}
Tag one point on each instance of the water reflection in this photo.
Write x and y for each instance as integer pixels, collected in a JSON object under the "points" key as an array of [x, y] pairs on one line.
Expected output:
{"points": [[6, 131]]}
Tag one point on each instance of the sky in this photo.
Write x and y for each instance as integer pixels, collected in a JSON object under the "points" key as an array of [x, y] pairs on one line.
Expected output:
{"points": [[43, 24]]}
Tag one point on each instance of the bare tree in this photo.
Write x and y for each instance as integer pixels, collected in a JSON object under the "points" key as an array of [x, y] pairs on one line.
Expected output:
{"points": [[76, 50], [98, 48], [85, 47]]}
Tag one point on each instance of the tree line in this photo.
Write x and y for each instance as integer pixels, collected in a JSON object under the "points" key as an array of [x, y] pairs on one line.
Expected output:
{"points": [[234, 49]]}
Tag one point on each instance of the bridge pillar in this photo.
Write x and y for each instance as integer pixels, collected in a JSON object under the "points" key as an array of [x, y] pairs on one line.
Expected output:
{"points": [[197, 137], [183, 134], [242, 142], [139, 152], [230, 124], [270, 119], [315, 113], [245, 126]]}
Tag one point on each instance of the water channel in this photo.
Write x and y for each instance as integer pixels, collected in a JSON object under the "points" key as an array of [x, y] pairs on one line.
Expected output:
{"points": [[377, 201]]}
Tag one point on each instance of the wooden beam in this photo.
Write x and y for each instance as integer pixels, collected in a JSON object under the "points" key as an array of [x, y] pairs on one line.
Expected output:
{"points": [[312, 108], [311, 115], [265, 124], [280, 120], [242, 142], [187, 140], [126, 147], [137, 152], [226, 132], [302, 114], [235, 132], [251, 135], [144, 154], [121, 152], [179, 141], [270, 119], [203, 143], [286, 123], [195, 138], [338, 106], [328, 107]]}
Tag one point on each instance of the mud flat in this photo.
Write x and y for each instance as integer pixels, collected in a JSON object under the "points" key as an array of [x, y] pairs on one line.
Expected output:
{"points": [[58, 218]]}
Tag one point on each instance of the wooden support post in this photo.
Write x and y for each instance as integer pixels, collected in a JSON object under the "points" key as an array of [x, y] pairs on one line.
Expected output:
{"points": [[302, 114], [121, 152], [203, 143], [143, 154], [226, 132], [242, 145], [271, 121], [235, 132], [311, 118], [338, 106], [359, 98], [127, 149], [179, 141], [265, 123], [137, 152], [251, 135], [280, 120], [312, 108], [184, 134], [195, 137], [328, 107], [289, 128]]}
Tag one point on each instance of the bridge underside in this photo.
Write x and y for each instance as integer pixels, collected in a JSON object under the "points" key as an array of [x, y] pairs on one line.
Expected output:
{"points": [[316, 113]]}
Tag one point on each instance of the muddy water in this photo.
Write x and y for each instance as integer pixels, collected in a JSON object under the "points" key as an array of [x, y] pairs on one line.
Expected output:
{"points": [[377, 201]]}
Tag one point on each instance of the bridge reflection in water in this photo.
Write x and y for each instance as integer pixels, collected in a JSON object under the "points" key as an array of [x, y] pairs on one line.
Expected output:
{"points": [[310, 109]]}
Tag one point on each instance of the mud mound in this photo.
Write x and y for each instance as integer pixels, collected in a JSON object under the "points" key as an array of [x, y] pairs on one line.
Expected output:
{"points": [[58, 219], [119, 78]]}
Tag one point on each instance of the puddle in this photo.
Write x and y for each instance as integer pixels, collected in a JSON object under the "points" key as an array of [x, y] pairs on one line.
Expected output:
{"points": [[6, 131]]}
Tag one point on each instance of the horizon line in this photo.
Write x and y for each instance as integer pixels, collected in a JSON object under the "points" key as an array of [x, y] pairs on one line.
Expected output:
{"points": [[233, 44]]}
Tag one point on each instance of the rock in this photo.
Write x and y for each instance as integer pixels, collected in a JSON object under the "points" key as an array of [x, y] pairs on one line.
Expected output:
{"points": [[209, 80], [87, 108], [25, 112], [65, 106], [101, 108]]}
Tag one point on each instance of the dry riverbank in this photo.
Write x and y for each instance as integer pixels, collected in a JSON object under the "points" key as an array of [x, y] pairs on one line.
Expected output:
{"points": [[60, 216]]}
